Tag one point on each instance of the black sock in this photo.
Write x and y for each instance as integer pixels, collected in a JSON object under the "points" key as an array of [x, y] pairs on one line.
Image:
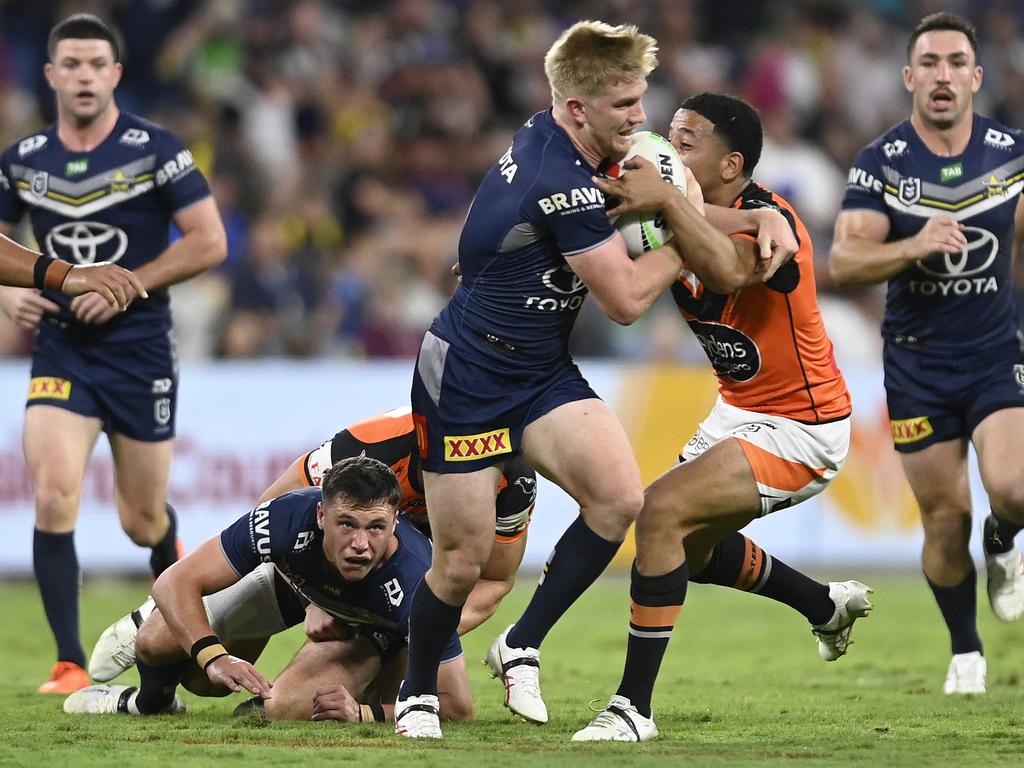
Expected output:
{"points": [[165, 553], [579, 557], [655, 604], [157, 685], [56, 567], [432, 623], [959, 606], [739, 563], [998, 535]]}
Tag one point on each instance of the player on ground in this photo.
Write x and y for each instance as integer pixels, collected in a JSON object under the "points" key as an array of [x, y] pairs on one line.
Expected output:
{"points": [[343, 548], [101, 184], [494, 377], [389, 438], [933, 207], [777, 435]]}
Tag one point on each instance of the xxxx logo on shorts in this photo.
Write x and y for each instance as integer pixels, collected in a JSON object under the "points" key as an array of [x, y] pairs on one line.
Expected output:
{"points": [[470, 447], [49, 387], [910, 430]]}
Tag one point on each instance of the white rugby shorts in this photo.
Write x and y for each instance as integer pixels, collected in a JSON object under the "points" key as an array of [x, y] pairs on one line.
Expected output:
{"points": [[791, 461]]}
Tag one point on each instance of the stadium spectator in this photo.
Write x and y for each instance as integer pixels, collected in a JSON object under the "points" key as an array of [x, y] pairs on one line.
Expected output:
{"points": [[933, 207], [101, 184]]}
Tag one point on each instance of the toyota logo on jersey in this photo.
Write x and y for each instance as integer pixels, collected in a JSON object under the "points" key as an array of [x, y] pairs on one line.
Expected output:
{"points": [[86, 242], [974, 258]]}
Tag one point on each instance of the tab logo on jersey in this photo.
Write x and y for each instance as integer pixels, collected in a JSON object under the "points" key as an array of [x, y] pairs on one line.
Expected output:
{"points": [[732, 353], [894, 148], [998, 139], [470, 447], [86, 242], [134, 137], [31, 144], [950, 172], [910, 190], [910, 430], [175, 168], [858, 177], [76, 167], [49, 388], [574, 201]]}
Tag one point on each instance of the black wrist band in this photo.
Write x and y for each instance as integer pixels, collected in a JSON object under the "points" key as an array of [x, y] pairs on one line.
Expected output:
{"points": [[203, 642], [39, 270], [378, 711]]}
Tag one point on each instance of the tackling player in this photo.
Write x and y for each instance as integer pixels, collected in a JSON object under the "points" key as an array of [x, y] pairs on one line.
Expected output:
{"points": [[343, 548], [777, 435], [934, 207], [100, 184]]}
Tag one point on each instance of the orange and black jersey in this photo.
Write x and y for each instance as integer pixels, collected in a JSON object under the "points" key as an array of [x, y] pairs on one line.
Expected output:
{"points": [[391, 438], [767, 342]]}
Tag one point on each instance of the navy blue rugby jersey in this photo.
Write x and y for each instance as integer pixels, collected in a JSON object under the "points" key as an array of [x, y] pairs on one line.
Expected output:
{"points": [[114, 203], [518, 298], [947, 303], [283, 531]]}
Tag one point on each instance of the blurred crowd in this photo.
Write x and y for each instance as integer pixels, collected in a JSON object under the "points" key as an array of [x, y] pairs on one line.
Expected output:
{"points": [[344, 139]]}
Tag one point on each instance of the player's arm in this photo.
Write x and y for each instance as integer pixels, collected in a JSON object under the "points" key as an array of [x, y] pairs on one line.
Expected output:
{"points": [[776, 241], [179, 592], [708, 251], [202, 245], [861, 256]]}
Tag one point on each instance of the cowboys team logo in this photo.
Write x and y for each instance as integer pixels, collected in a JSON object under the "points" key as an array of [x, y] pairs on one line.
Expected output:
{"points": [[40, 183], [910, 190]]}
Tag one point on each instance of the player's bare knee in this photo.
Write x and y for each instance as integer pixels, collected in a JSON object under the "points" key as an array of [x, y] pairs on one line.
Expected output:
{"points": [[56, 507], [143, 528], [1007, 500], [611, 518], [947, 527], [154, 643], [458, 708], [459, 575]]}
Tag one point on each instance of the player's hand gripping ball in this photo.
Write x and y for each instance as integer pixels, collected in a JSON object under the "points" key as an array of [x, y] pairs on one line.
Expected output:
{"points": [[648, 231]]}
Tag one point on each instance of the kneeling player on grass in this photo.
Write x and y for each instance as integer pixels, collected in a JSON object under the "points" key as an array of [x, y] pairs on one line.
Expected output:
{"points": [[777, 435], [341, 548]]}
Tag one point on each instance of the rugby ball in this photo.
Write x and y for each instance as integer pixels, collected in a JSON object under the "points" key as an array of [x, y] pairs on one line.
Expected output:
{"points": [[648, 231]]}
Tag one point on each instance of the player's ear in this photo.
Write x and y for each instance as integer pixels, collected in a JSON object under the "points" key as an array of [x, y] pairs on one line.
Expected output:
{"points": [[908, 78], [576, 109], [979, 74], [48, 74], [730, 166], [320, 515]]}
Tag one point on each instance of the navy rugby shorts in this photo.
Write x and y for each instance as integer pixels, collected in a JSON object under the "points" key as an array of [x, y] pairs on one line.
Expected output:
{"points": [[132, 387], [936, 398], [470, 413]]}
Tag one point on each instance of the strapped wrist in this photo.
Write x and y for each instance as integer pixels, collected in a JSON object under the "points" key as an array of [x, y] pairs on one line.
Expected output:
{"points": [[39, 270], [206, 650]]}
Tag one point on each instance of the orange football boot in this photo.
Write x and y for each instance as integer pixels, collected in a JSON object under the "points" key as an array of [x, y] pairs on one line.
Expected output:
{"points": [[65, 677]]}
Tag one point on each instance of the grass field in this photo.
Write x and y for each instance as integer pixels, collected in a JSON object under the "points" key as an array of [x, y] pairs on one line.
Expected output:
{"points": [[742, 685]]}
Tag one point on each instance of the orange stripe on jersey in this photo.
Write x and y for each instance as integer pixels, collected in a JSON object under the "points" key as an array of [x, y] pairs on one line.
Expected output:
{"points": [[753, 566], [304, 479], [653, 616], [384, 427], [777, 472]]}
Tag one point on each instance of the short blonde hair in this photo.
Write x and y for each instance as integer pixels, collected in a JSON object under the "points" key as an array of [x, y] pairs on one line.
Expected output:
{"points": [[591, 55]]}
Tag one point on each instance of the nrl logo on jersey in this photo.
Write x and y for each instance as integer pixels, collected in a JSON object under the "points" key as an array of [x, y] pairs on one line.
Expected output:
{"points": [[894, 148], [40, 183], [31, 144], [998, 139], [134, 137], [910, 190]]}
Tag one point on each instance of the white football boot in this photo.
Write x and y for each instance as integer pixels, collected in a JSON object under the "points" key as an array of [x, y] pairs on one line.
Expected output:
{"points": [[418, 717], [852, 603], [114, 652], [112, 700], [619, 721], [966, 673], [1006, 584], [519, 669]]}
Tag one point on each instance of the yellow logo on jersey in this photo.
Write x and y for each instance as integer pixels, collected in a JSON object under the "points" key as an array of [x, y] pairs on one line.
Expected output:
{"points": [[910, 430], [49, 388], [470, 447]]}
